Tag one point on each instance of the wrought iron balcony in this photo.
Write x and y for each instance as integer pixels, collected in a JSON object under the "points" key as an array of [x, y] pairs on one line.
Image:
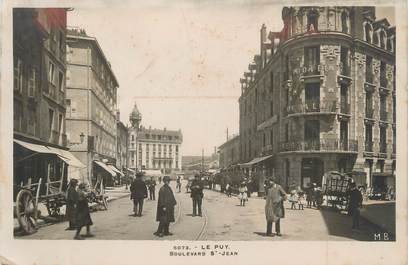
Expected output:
{"points": [[325, 145]]}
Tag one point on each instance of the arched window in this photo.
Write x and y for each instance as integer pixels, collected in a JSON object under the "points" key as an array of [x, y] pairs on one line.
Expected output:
{"points": [[344, 18], [367, 31], [312, 20]]}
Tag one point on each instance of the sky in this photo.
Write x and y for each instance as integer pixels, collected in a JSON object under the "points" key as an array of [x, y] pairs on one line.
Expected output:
{"points": [[182, 63]]}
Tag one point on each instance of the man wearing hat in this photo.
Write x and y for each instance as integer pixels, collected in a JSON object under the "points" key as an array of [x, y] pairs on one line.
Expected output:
{"points": [[138, 192], [274, 210], [165, 208], [355, 202], [72, 198], [197, 194]]}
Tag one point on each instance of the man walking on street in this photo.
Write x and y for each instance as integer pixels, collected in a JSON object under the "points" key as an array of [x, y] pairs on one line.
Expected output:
{"points": [[274, 210], [138, 191], [152, 189], [165, 208], [178, 186], [197, 195], [72, 199], [355, 202]]}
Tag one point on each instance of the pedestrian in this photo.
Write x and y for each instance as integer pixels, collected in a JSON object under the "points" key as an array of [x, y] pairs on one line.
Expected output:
{"points": [[72, 199], [309, 195], [229, 189], [314, 193], [82, 215], [243, 196], [293, 199], [160, 180], [165, 208], [301, 198], [138, 192], [355, 203], [178, 185], [197, 195], [152, 189], [274, 210]]}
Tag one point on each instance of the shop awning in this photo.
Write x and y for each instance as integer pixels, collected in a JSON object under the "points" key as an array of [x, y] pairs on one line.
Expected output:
{"points": [[116, 170], [256, 160], [105, 167], [67, 157], [35, 147]]}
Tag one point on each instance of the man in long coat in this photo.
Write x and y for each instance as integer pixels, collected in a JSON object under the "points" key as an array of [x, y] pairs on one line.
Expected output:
{"points": [[165, 208], [82, 215], [197, 195], [72, 199], [274, 210], [138, 193]]}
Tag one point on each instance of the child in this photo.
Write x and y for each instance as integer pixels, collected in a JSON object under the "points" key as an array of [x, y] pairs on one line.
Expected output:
{"points": [[293, 198], [301, 198], [242, 193]]}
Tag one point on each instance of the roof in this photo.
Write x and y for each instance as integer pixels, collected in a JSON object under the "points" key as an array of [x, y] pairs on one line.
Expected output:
{"points": [[76, 33], [144, 131]]}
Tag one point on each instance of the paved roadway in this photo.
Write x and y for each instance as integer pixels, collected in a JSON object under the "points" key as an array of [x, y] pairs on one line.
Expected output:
{"points": [[223, 219]]}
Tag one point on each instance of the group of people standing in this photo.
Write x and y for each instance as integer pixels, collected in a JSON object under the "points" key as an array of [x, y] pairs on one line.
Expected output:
{"points": [[77, 209]]}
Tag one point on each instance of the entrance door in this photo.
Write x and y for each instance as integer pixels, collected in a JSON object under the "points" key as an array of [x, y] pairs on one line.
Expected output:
{"points": [[312, 171]]}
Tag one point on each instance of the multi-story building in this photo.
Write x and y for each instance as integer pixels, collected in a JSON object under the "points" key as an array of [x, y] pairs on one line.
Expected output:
{"points": [[320, 96], [153, 149], [122, 145], [39, 37], [229, 152], [91, 106]]}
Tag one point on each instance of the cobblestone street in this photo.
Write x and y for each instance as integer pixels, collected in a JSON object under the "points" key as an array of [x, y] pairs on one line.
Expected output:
{"points": [[223, 219]]}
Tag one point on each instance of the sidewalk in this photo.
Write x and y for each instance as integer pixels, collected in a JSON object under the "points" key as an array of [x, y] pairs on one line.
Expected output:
{"points": [[380, 213], [113, 193]]}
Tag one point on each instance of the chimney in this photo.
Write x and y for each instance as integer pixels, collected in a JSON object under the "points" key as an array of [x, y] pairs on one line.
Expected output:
{"points": [[263, 50]]}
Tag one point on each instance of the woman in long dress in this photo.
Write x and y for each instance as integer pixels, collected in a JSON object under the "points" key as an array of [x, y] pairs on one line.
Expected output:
{"points": [[243, 196], [274, 210]]}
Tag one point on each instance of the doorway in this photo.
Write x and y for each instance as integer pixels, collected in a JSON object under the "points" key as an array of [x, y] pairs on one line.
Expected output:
{"points": [[312, 171]]}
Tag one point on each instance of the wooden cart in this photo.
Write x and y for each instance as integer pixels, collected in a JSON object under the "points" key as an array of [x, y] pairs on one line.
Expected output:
{"points": [[336, 186]]}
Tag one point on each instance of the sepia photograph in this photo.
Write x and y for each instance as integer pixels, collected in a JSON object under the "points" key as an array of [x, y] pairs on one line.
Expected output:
{"points": [[198, 122]]}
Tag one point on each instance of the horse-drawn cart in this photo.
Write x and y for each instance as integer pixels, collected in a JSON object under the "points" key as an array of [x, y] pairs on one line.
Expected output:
{"points": [[336, 186]]}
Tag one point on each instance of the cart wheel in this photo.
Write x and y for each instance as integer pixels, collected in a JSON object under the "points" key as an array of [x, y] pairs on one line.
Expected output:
{"points": [[26, 211], [105, 203]]}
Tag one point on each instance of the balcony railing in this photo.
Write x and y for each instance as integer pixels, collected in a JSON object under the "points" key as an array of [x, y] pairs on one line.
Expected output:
{"points": [[312, 106], [383, 147], [368, 146], [334, 145], [312, 69]]}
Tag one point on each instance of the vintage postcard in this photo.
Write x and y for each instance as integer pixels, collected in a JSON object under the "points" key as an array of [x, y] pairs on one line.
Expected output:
{"points": [[196, 132]]}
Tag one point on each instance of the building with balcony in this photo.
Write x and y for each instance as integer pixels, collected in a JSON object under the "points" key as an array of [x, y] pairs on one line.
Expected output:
{"points": [[153, 149], [40, 141], [320, 96], [91, 106], [229, 152]]}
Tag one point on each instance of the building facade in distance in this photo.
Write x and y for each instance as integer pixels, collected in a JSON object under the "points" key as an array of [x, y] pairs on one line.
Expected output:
{"points": [[122, 142], [320, 96], [229, 152], [91, 105], [135, 119]]}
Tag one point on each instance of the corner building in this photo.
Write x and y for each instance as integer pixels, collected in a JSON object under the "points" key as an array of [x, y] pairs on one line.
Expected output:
{"points": [[320, 96]]}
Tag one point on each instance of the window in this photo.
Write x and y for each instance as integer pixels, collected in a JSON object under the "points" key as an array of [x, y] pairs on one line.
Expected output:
{"points": [[383, 139], [369, 69], [367, 32], [344, 26], [287, 132], [32, 82], [60, 123], [383, 76], [50, 119], [369, 138], [61, 42], [383, 38], [383, 107], [31, 121], [312, 97], [51, 73], [271, 106], [369, 104], [133, 137], [344, 61], [271, 138], [177, 149], [312, 59], [61, 81], [18, 75], [312, 20]]}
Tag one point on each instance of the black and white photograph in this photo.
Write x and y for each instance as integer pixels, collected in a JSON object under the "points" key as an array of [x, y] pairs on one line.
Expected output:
{"points": [[205, 122]]}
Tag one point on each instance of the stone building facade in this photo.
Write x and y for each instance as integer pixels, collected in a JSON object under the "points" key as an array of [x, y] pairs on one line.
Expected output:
{"points": [[91, 105], [122, 143], [320, 96], [39, 92]]}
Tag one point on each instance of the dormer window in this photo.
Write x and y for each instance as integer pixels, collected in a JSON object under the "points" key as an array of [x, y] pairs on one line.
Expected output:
{"points": [[344, 18], [367, 32], [312, 21]]}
